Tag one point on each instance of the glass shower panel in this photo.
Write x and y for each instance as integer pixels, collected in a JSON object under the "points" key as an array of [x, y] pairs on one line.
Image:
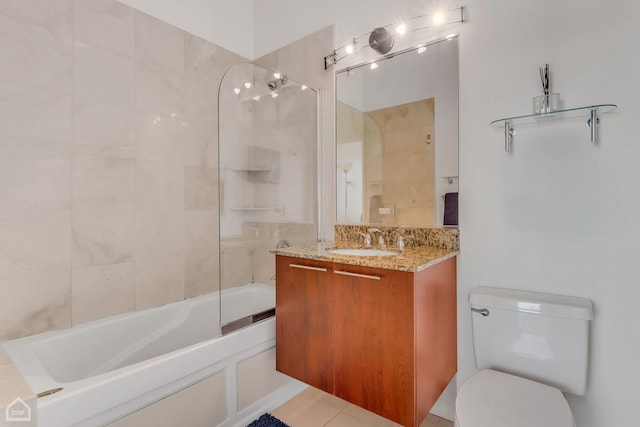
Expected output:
{"points": [[267, 163]]}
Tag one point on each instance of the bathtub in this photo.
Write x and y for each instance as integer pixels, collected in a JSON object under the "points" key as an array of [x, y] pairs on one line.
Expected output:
{"points": [[113, 367]]}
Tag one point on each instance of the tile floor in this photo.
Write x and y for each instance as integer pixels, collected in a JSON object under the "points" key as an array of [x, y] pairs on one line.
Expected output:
{"points": [[315, 408]]}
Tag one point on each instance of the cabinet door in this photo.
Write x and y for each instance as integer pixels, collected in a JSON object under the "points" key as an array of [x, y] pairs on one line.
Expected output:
{"points": [[305, 321], [375, 340]]}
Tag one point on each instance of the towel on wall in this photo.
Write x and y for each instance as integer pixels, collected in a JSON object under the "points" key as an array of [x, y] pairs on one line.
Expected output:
{"points": [[450, 209]]}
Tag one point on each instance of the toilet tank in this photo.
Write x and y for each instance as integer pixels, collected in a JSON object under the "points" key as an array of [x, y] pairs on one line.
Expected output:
{"points": [[543, 337]]}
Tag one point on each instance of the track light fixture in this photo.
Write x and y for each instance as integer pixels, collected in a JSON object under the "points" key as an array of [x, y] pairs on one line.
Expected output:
{"points": [[382, 39]]}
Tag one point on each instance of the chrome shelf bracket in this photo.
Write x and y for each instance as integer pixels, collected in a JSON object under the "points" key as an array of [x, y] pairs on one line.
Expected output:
{"points": [[593, 118], [509, 133]]}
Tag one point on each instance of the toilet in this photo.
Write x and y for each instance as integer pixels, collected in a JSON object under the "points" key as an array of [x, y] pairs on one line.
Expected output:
{"points": [[530, 348]]}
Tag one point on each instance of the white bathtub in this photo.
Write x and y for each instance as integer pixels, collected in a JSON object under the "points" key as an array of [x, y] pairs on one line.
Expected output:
{"points": [[116, 366]]}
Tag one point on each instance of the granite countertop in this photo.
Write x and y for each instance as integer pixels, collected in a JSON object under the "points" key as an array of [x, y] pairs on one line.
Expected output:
{"points": [[412, 259]]}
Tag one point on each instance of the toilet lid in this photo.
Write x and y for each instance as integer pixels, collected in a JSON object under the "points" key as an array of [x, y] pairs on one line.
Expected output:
{"points": [[495, 399]]}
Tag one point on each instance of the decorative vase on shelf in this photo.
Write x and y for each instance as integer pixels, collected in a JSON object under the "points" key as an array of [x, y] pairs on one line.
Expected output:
{"points": [[544, 104]]}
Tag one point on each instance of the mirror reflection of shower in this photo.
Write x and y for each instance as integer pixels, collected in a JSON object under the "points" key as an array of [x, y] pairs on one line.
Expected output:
{"points": [[349, 182]]}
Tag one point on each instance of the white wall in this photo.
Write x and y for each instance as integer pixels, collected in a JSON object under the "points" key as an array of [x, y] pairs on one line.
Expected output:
{"points": [[227, 23], [558, 214]]}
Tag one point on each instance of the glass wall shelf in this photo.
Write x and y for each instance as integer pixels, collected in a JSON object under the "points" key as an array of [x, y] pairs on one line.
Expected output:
{"points": [[590, 111]]}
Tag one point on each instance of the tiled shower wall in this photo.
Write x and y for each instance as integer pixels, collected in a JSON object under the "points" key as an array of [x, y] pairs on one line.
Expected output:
{"points": [[290, 126], [108, 156]]}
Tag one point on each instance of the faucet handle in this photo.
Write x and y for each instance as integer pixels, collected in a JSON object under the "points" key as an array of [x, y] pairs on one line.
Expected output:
{"points": [[401, 239], [367, 239], [381, 240]]}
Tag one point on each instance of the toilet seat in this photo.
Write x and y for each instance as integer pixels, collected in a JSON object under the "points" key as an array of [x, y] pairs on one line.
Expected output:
{"points": [[495, 399]]}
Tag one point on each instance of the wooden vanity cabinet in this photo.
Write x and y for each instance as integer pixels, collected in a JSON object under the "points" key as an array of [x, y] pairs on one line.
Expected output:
{"points": [[394, 333], [374, 338], [305, 321]]}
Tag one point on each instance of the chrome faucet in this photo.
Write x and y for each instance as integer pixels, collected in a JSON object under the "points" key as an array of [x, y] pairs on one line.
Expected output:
{"points": [[401, 243], [381, 241], [367, 239], [283, 244]]}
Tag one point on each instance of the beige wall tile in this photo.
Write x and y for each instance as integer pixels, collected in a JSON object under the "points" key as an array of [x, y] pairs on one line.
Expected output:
{"points": [[103, 130], [201, 252], [235, 266], [201, 145], [201, 189], [206, 62], [34, 118], [264, 265], [158, 43], [102, 236], [52, 15], [159, 91], [35, 55], [159, 186], [104, 23], [33, 243], [102, 291], [93, 148], [201, 100], [102, 75], [159, 257], [102, 182], [160, 138], [159, 279], [159, 232], [34, 303], [34, 179]]}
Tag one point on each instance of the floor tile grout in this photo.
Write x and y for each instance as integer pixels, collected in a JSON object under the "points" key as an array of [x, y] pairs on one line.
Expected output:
{"points": [[315, 398], [339, 412]]}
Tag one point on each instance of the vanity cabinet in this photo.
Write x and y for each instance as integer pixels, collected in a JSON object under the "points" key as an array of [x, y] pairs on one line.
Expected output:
{"points": [[305, 322], [382, 339]]}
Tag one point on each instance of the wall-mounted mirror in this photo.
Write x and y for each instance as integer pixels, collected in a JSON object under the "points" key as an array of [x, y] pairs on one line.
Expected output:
{"points": [[397, 139]]}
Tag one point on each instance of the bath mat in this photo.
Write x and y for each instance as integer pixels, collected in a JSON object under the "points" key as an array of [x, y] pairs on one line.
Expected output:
{"points": [[268, 420]]}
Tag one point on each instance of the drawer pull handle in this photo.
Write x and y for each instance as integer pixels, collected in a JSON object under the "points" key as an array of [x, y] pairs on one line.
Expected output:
{"points": [[363, 276], [307, 267]]}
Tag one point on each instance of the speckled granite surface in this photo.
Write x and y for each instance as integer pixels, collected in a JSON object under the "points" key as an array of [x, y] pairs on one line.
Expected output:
{"points": [[428, 246], [412, 259], [439, 237]]}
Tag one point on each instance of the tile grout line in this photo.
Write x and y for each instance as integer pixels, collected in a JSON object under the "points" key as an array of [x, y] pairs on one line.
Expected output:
{"points": [[336, 415]]}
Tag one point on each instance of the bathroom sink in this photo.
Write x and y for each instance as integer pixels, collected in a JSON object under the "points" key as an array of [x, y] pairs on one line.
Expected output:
{"points": [[362, 252]]}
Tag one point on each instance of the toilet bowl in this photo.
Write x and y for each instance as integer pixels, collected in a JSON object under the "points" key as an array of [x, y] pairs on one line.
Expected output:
{"points": [[494, 399], [530, 348]]}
